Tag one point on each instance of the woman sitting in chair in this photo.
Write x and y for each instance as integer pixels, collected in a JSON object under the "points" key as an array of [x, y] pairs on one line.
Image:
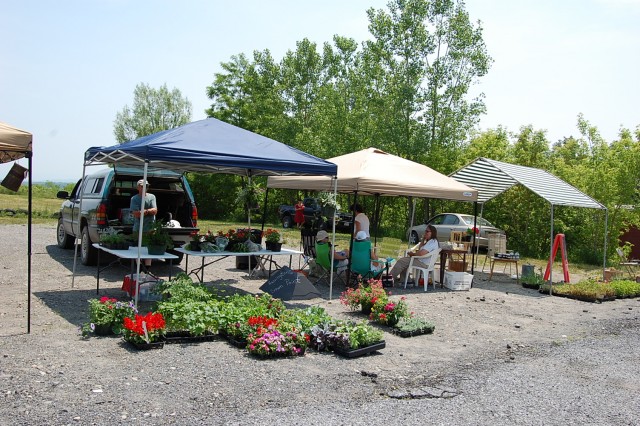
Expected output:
{"points": [[363, 257], [428, 243], [340, 258]]}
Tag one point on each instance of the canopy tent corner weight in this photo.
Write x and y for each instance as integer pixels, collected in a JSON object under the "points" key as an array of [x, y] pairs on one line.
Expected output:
{"points": [[14, 145]]}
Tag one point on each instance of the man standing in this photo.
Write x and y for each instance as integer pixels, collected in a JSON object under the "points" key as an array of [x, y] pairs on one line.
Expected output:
{"points": [[149, 212], [150, 208]]}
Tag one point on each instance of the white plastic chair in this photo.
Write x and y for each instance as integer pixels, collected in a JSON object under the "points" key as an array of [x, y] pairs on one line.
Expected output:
{"points": [[428, 259]]}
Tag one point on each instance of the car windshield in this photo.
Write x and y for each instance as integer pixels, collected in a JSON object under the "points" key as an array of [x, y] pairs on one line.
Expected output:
{"points": [[480, 221]]}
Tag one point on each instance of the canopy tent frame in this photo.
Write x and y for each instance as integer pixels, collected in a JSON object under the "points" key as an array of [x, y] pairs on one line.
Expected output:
{"points": [[207, 146], [491, 178], [14, 145], [375, 172]]}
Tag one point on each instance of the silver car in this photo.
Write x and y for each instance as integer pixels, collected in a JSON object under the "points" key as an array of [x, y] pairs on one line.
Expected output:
{"points": [[445, 223]]}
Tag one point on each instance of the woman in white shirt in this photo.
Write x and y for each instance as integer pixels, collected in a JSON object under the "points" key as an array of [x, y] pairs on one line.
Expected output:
{"points": [[361, 221], [428, 244]]}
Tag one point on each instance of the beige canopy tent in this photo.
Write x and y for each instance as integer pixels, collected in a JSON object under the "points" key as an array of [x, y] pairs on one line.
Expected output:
{"points": [[16, 144], [375, 172]]}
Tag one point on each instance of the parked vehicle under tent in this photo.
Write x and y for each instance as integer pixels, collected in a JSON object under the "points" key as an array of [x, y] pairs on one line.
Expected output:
{"points": [[209, 146]]}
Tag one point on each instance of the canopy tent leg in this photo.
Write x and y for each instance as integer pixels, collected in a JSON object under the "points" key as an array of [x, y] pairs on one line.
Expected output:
{"points": [[29, 155], [140, 230], [551, 256], [604, 255], [77, 232], [333, 243]]}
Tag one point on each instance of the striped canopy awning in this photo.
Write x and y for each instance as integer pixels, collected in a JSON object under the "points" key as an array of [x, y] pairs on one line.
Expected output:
{"points": [[491, 178]]}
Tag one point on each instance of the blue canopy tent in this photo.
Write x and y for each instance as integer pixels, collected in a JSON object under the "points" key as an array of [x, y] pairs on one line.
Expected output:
{"points": [[210, 146]]}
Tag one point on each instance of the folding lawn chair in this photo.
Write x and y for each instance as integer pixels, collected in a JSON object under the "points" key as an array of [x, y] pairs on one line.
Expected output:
{"points": [[308, 242], [323, 260], [361, 260]]}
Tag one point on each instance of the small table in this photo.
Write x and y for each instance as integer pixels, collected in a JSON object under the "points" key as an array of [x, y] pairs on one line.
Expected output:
{"points": [[504, 260], [448, 253], [263, 256], [132, 254]]}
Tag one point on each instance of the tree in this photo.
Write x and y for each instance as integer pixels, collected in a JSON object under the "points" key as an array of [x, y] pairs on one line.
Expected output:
{"points": [[153, 110]]}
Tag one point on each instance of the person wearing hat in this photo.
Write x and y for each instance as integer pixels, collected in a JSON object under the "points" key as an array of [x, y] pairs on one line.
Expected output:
{"points": [[340, 258], [363, 238], [150, 208]]}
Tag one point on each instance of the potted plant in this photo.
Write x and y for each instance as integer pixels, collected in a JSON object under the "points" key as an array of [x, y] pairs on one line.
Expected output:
{"points": [[329, 204], [470, 232], [145, 331], [272, 240], [106, 316], [112, 239], [157, 239], [190, 320], [196, 240], [387, 312], [248, 195], [364, 296], [346, 338]]}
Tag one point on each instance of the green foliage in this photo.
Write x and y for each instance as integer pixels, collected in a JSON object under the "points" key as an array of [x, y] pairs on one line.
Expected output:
{"points": [[239, 308], [157, 236], [153, 110], [304, 319], [625, 288], [414, 325], [182, 288], [196, 317], [588, 290]]}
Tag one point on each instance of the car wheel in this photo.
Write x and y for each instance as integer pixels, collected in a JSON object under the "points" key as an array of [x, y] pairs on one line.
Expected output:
{"points": [[413, 239], [65, 240], [287, 221], [88, 254]]}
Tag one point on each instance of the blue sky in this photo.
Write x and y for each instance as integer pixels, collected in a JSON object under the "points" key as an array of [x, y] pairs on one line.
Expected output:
{"points": [[68, 66]]}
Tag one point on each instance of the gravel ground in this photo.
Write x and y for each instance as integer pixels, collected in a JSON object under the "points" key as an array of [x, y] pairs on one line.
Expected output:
{"points": [[500, 354]]}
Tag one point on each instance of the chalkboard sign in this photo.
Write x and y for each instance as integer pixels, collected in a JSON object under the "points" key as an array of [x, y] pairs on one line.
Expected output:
{"points": [[286, 284]]}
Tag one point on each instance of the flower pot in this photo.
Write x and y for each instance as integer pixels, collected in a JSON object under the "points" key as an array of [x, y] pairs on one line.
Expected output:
{"points": [[365, 308], [195, 246], [156, 250], [103, 329], [273, 246]]}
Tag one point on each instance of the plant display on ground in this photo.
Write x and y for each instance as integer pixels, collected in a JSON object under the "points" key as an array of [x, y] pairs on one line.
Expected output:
{"points": [[365, 295], [183, 288], [194, 317], [304, 319], [344, 334], [589, 290], [269, 341], [533, 280], [107, 311], [147, 328], [238, 309], [625, 288], [411, 326], [387, 312]]}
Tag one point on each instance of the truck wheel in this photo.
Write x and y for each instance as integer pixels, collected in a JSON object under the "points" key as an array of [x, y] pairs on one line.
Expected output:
{"points": [[88, 254], [65, 240], [287, 222]]}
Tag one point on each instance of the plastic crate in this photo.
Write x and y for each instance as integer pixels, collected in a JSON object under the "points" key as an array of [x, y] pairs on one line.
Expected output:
{"points": [[457, 280], [147, 283]]}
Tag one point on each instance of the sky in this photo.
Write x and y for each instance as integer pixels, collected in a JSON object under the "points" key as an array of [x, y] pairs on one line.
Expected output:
{"points": [[68, 66]]}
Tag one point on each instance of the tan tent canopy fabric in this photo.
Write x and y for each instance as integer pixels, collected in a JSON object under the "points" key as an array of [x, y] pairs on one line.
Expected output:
{"points": [[372, 171], [14, 143]]}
